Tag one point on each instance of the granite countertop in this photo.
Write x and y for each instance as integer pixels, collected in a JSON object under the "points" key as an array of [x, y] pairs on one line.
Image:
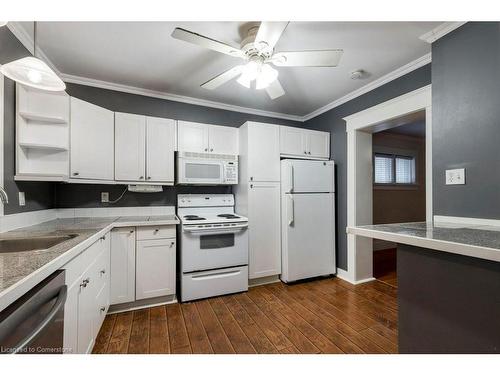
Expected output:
{"points": [[20, 271], [479, 241]]}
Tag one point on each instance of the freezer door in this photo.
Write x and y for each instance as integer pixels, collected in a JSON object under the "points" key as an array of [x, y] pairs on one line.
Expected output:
{"points": [[308, 236], [308, 176]]}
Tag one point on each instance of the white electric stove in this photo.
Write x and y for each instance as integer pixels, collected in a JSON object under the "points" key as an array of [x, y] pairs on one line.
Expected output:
{"points": [[213, 246]]}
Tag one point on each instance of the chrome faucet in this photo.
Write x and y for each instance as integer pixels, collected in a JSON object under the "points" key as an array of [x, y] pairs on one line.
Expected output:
{"points": [[3, 196]]}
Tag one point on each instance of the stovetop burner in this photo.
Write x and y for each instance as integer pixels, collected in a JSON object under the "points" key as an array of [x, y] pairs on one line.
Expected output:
{"points": [[193, 217], [228, 216]]}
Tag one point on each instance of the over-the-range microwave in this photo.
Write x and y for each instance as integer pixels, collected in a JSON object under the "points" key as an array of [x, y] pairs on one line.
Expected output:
{"points": [[195, 168]]}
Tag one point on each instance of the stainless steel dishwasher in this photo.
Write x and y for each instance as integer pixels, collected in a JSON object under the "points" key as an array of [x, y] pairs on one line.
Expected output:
{"points": [[35, 322]]}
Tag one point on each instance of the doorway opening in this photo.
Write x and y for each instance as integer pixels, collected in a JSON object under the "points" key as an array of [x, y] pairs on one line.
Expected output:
{"points": [[360, 129], [398, 184]]}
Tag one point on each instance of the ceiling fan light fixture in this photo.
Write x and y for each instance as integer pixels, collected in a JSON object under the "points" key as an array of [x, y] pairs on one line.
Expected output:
{"points": [[33, 72], [250, 72], [266, 76]]}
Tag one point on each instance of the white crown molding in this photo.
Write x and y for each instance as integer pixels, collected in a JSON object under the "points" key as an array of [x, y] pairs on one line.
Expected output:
{"points": [[177, 98], [405, 69], [440, 31]]}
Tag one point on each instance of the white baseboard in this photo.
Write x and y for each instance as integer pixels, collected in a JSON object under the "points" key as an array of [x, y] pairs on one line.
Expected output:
{"points": [[344, 275], [263, 281], [465, 220]]}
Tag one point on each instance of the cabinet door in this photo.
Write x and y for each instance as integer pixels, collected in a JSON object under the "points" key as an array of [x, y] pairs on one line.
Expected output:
{"points": [[223, 140], [92, 141], [263, 152], [264, 251], [86, 314], [192, 136], [292, 141], [318, 144], [160, 147], [130, 147], [122, 281], [155, 268]]}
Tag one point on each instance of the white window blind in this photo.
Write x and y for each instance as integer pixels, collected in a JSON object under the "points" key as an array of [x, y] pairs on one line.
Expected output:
{"points": [[405, 170], [394, 169], [384, 169]]}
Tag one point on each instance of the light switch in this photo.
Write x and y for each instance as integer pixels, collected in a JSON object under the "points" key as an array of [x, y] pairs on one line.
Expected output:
{"points": [[22, 199], [105, 197], [455, 176]]}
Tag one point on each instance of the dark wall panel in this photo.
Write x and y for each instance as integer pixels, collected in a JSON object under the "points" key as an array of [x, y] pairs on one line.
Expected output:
{"points": [[466, 120], [333, 122]]}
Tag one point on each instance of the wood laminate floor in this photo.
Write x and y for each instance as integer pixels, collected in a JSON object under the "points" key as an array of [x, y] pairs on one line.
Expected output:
{"points": [[323, 316]]}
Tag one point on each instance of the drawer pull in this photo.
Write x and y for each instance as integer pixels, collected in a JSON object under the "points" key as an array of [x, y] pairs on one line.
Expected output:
{"points": [[131, 232], [216, 275], [156, 231], [85, 282], [172, 244], [102, 238], [103, 309], [103, 272]]}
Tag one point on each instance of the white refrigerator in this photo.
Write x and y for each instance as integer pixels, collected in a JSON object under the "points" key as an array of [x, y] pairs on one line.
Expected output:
{"points": [[308, 219]]}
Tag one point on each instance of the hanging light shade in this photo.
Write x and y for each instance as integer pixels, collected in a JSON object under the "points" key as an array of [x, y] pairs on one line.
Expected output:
{"points": [[31, 71]]}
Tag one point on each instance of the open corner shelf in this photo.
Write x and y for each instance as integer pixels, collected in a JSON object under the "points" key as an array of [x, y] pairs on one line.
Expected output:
{"points": [[43, 118]]}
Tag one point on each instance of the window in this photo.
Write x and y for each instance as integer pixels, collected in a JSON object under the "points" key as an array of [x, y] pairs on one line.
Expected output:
{"points": [[394, 169]]}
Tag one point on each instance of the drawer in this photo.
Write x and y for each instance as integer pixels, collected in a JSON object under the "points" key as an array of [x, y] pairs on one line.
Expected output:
{"points": [[155, 232], [206, 284]]}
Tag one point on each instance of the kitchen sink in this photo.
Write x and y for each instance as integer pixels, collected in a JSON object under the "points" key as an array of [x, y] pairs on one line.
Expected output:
{"points": [[14, 245]]}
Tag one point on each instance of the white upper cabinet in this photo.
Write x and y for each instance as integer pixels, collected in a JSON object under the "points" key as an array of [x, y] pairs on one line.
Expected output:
{"points": [[92, 141], [292, 141], [303, 143], [144, 149], [130, 147], [223, 140], [263, 150], [196, 137], [160, 147], [192, 137], [318, 144]]}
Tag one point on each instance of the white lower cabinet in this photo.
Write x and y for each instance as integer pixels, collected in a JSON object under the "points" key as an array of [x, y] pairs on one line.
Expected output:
{"points": [[264, 234], [122, 265], [87, 277], [155, 268], [142, 263]]}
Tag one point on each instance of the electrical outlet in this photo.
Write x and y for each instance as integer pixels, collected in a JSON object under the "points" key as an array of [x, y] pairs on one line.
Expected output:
{"points": [[455, 176], [22, 199], [105, 197]]}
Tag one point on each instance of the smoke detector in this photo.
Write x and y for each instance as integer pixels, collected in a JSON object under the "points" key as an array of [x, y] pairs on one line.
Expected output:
{"points": [[358, 74]]}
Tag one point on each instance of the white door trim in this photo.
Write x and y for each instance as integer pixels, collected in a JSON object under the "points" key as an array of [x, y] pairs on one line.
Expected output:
{"points": [[359, 172], [1, 136]]}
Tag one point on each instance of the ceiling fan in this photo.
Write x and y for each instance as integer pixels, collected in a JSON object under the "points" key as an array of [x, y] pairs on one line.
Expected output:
{"points": [[257, 49]]}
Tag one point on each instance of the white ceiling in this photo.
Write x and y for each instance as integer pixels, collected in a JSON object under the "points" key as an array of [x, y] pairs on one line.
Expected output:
{"points": [[144, 55]]}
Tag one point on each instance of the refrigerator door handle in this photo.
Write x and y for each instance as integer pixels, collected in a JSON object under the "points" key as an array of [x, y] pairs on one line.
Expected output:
{"points": [[290, 210]]}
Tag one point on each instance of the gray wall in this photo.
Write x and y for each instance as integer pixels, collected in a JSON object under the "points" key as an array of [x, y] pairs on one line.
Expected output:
{"points": [[466, 120], [39, 195], [332, 121]]}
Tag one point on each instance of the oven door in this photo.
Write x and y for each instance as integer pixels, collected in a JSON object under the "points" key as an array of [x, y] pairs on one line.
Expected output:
{"points": [[211, 248], [200, 171]]}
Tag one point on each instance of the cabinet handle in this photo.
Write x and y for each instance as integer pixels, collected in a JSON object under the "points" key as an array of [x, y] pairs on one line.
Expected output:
{"points": [[131, 232], [141, 178], [172, 244], [76, 174], [251, 178], [251, 186], [102, 238], [206, 149], [305, 152], [211, 150], [85, 282], [103, 272], [156, 231], [149, 178], [309, 152], [103, 309]]}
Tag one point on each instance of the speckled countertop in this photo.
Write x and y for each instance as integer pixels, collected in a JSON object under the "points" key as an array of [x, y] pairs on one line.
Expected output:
{"points": [[479, 241], [20, 271]]}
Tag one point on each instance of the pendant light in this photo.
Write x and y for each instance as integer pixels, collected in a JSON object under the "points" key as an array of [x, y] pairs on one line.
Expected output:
{"points": [[33, 72]]}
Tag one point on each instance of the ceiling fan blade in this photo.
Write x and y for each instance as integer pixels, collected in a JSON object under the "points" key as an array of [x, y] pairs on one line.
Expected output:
{"points": [[269, 33], [308, 58], [275, 90], [203, 41], [222, 78]]}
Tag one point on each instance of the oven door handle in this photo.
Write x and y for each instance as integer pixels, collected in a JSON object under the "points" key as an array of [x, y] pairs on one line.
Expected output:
{"points": [[25, 341], [203, 231]]}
